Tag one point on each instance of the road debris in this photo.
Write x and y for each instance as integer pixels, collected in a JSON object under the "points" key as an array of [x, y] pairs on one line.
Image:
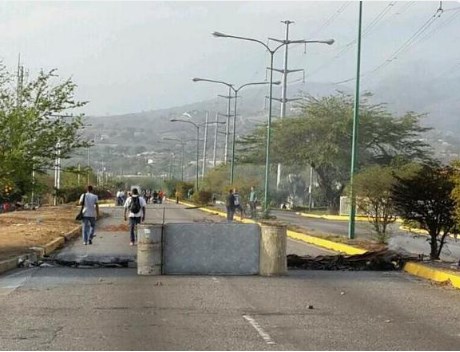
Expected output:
{"points": [[377, 260]]}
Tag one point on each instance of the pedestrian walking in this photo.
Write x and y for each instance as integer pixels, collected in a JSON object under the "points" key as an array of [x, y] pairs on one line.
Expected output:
{"points": [[253, 201], [120, 196], [135, 204], [238, 205], [90, 213], [230, 205], [176, 193]]}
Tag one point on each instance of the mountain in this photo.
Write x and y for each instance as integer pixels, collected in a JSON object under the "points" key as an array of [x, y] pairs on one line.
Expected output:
{"points": [[130, 141]]}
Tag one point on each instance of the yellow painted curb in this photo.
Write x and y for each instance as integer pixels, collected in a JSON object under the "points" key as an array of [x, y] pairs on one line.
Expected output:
{"points": [[320, 242], [419, 231], [337, 217], [437, 275], [107, 205]]}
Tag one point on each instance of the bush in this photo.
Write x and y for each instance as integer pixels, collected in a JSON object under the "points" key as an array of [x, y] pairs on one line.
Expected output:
{"points": [[72, 194], [202, 197]]}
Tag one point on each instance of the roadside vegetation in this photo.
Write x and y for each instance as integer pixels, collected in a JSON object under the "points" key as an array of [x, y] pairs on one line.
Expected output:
{"points": [[397, 175]]}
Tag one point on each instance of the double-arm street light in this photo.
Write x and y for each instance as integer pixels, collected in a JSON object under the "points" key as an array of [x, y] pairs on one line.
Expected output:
{"points": [[197, 142], [269, 119], [235, 91]]}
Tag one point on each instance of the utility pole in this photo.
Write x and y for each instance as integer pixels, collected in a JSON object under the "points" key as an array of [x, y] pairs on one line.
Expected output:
{"points": [[354, 146], [205, 144], [215, 140], [227, 128], [284, 73]]}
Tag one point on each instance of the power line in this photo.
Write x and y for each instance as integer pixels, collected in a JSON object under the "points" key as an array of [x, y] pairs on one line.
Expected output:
{"points": [[409, 42], [371, 26], [331, 19], [404, 47], [448, 21]]}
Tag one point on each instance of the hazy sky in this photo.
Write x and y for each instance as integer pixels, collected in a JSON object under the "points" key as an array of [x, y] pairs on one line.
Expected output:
{"points": [[135, 56]]}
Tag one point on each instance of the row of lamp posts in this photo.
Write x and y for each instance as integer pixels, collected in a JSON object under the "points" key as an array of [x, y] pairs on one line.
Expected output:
{"points": [[236, 90]]}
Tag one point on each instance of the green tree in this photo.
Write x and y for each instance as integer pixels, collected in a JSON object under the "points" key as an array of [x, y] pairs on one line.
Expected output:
{"points": [[32, 135], [320, 136], [425, 197], [373, 187]]}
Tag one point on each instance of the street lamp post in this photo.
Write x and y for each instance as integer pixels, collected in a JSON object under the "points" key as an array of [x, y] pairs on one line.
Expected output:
{"points": [[235, 91], [197, 143], [269, 119], [182, 156], [354, 148], [205, 144]]}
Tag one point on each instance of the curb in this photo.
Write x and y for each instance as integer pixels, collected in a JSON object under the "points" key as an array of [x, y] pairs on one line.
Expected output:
{"points": [[412, 268], [38, 252], [337, 217], [442, 276], [9, 264], [337, 247]]}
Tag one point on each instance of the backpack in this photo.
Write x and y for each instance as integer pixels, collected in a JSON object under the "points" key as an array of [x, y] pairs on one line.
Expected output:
{"points": [[237, 199], [135, 206]]}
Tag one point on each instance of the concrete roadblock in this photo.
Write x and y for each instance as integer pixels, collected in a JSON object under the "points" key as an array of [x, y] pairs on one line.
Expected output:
{"points": [[273, 259], [211, 249], [149, 249]]}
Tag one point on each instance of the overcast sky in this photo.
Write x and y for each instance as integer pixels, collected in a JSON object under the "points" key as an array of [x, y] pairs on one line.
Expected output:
{"points": [[137, 56]]}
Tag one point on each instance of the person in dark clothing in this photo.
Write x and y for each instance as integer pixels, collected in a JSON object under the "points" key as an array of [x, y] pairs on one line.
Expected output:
{"points": [[230, 205]]}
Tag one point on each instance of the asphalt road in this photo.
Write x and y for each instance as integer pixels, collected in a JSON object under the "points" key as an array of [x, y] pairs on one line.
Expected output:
{"points": [[114, 309], [64, 308], [399, 240]]}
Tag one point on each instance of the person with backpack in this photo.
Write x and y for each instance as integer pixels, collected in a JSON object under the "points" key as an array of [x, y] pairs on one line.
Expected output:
{"points": [[135, 204], [237, 202]]}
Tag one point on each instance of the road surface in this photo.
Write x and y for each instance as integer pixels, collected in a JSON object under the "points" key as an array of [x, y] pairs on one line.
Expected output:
{"points": [[399, 240], [64, 308]]}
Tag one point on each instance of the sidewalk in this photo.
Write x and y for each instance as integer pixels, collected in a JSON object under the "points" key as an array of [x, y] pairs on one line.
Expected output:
{"points": [[110, 246]]}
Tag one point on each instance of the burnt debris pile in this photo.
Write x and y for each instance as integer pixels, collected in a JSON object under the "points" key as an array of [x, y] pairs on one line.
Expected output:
{"points": [[379, 260]]}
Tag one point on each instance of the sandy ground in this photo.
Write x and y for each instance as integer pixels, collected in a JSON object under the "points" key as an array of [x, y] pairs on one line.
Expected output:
{"points": [[20, 230]]}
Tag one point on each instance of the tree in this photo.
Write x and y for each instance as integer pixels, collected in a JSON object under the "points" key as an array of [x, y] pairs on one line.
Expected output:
{"points": [[425, 197], [32, 135], [373, 189], [320, 136], [456, 191]]}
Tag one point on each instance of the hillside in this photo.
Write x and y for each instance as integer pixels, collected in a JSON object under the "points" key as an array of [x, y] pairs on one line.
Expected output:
{"points": [[127, 143]]}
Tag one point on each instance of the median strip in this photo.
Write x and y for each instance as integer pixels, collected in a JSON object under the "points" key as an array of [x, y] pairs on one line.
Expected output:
{"points": [[413, 268]]}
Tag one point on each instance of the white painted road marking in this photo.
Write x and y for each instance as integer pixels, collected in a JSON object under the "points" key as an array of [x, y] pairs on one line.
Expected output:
{"points": [[261, 332]]}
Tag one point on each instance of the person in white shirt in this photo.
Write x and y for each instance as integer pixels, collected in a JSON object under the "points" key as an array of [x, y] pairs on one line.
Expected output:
{"points": [[90, 213], [135, 204]]}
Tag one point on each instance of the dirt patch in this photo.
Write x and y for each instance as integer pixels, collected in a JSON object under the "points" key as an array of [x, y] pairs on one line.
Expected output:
{"points": [[21, 230], [114, 228]]}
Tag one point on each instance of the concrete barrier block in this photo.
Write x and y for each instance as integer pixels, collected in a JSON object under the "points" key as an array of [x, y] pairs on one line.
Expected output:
{"points": [[273, 259], [149, 249], [211, 249]]}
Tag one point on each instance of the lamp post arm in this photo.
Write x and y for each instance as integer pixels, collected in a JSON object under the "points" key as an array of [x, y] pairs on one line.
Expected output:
{"points": [[217, 34], [278, 47], [212, 81], [191, 122], [250, 84]]}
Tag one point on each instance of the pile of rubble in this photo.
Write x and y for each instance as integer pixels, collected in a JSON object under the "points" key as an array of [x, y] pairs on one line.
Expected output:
{"points": [[378, 260]]}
